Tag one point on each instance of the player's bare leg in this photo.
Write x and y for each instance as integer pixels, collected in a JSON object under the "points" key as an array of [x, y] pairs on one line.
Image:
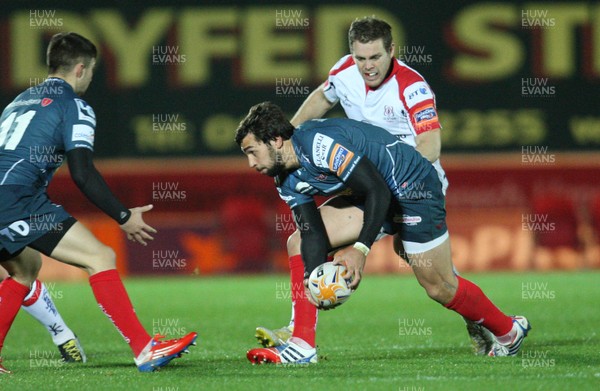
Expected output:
{"points": [[434, 271], [79, 247], [343, 222], [25, 267], [481, 338]]}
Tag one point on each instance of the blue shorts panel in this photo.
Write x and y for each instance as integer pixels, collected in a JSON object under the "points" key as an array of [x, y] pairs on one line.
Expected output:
{"points": [[419, 215], [26, 214]]}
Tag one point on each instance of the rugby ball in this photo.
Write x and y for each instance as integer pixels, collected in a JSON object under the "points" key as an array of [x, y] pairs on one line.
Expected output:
{"points": [[328, 285]]}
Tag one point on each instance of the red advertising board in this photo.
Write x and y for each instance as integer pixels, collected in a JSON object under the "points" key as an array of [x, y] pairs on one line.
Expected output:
{"points": [[216, 216]]}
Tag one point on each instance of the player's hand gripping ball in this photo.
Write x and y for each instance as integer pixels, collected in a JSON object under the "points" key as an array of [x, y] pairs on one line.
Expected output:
{"points": [[328, 285]]}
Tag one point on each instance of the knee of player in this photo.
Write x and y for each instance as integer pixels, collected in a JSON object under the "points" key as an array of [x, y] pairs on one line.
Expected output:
{"points": [[31, 271], [26, 272], [106, 257], [434, 291], [293, 243], [440, 291]]}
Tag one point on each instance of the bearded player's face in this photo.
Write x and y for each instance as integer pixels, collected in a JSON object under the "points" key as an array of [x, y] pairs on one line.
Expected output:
{"points": [[372, 60], [262, 157]]}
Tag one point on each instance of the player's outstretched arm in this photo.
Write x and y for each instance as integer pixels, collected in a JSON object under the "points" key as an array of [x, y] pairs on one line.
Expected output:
{"points": [[93, 186], [315, 106], [366, 180]]}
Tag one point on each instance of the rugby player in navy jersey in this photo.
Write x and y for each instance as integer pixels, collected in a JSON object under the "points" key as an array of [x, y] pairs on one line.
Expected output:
{"points": [[399, 192], [374, 87], [41, 127]]}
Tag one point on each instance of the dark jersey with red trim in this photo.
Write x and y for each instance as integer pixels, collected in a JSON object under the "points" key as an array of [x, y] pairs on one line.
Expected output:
{"points": [[38, 128], [329, 149]]}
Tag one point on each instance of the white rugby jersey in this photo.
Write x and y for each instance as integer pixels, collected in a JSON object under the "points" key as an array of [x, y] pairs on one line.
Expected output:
{"points": [[403, 104]]}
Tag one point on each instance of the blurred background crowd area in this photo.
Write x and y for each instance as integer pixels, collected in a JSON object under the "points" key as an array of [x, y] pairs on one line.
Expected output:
{"points": [[516, 88]]}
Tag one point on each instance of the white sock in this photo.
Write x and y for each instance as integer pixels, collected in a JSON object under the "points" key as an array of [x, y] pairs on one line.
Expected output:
{"points": [[300, 342], [291, 325], [39, 304], [509, 337]]}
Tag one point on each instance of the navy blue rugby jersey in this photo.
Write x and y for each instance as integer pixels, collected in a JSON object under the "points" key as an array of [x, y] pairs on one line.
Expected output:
{"points": [[38, 128], [329, 149]]}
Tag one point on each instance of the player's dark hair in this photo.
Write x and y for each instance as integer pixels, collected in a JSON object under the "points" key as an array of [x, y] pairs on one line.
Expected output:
{"points": [[265, 121], [65, 50], [368, 29]]}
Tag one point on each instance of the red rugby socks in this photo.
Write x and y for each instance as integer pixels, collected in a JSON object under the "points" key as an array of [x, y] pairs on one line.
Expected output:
{"points": [[12, 295], [473, 304], [305, 314], [114, 302]]}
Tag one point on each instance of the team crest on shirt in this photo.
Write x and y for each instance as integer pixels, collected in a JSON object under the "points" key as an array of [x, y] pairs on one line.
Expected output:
{"points": [[46, 102], [388, 113], [345, 101]]}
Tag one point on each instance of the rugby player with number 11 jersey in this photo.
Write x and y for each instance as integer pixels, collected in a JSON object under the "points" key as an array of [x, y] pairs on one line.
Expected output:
{"points": [[39, 129]]}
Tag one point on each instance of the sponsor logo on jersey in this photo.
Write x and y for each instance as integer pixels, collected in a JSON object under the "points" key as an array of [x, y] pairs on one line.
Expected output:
{"points": [[320, 149], [425, 115], [411, 220], [425, 119], [340, 157], [84, 133], [46, 102], [416, 93]]}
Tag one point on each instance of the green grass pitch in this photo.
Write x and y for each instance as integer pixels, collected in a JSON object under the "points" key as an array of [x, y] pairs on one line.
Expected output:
{"points": [[388, 336]]}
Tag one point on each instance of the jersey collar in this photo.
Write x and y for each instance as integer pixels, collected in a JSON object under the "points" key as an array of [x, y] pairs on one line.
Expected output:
{"points": [[54, 78], [58, 80]]}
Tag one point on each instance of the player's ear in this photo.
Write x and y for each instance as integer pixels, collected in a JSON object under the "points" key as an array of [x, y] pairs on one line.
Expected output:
{"points": [[278, 142], [79, 67], [392, 49]]}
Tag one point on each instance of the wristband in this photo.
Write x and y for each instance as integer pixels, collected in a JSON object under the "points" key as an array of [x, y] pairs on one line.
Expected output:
{"points": [[124, 216], [362, 248]]}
